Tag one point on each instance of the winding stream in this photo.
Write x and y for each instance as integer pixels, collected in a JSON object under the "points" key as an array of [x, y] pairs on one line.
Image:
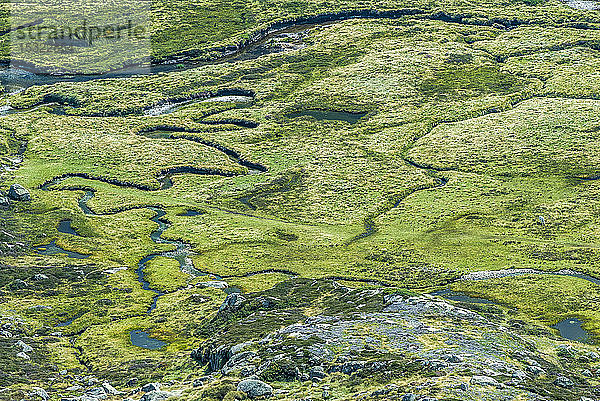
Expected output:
{"points": [[249, 49], [495, 274], [182, 251]]}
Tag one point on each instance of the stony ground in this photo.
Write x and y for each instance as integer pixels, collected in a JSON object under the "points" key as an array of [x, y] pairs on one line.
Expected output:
{"points": [[327, 341]]}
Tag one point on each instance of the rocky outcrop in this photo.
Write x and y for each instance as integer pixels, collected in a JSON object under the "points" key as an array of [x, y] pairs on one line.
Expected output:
{"points": [[377, 336]]}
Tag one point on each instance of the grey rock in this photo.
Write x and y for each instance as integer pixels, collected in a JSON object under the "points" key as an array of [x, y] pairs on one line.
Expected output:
{"points": [[566, 351], [19, 193], [132, 382], [232, 303], [483, 381], [24, 347], [5, 333], [198, 383], [236, 349], [453, 359], [23, 355], [349, 367], [564, 382], [255, 388], [248, 370], [435, 365], [41, 393], [317, 372], [96, 392], [409, 397], [110, 389], [157, 396], [587, 373], [220, 285], [216, 356], [4, 201], [593, 356], [40, 277], [238, 361], [519, 375], [384, 391], [146, 388], [536, 370]]}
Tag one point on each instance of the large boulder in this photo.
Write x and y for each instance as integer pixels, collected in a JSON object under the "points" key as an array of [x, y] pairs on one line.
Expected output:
{"points": [[255, 388], [157, 396], [19, 193]]}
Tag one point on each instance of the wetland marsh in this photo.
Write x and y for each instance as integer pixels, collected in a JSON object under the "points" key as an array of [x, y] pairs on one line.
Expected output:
{"points": [[308, 201]]}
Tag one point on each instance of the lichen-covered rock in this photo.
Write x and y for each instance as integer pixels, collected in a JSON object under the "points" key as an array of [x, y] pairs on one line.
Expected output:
{"points": [[255, 388], [317, 372], [4, 201], [40, 393], [484, 381], [564, 382], [157, 395], [238, 361], [232, 302], [18, 192], [146, 388], [24, 347]]}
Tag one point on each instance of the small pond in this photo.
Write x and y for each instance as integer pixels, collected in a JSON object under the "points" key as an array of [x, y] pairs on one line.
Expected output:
{"points": [[53, 249], [65, 227], [571, 329], [320, 115], [140, 338], [190, 213]]}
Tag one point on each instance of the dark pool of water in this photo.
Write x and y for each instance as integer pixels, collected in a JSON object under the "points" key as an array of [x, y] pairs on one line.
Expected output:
{"points": [[191, 213], [70, 321], [65, 227], [140, 338], [571, 329], [457, 296], [351, 118], [53, 249]]}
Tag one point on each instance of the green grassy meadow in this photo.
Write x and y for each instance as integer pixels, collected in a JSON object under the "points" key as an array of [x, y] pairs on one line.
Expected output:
{"points": [[477, 151]]}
